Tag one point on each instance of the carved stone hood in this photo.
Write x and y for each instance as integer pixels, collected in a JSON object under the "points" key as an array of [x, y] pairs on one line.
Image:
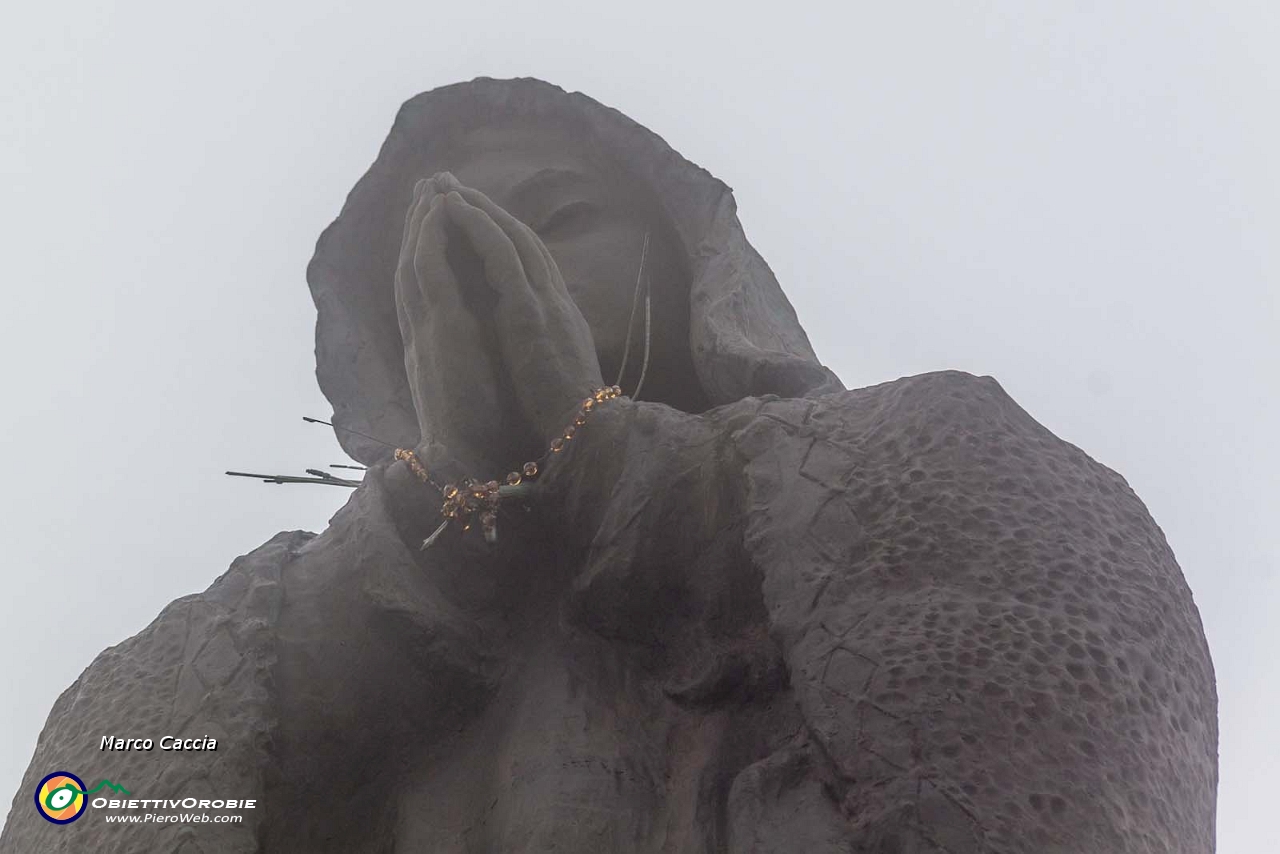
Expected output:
{"points": [[744, 336]]}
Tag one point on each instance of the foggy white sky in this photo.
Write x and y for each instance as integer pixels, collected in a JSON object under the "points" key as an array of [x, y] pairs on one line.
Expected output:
{"points": [[1083, 204]]}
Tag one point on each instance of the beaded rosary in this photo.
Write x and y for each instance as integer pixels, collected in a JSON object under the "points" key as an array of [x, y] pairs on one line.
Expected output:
{"points": [[470, 496]]}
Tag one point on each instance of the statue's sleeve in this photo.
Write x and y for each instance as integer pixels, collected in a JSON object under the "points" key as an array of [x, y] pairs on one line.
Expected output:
{"points": [[201, 671], [986, 639], [308, 662]]}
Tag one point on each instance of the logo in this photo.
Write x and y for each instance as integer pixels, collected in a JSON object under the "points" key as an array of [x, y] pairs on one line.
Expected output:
{"points": [[61, 797]]}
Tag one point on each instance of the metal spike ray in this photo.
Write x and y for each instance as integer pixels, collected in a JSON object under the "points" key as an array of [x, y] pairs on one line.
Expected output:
{"points": [[287, 478], [435, 535], [310, 420]]}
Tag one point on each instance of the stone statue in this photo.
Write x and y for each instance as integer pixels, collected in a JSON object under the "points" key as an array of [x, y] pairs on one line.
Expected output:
{"points": [[750, 611]]}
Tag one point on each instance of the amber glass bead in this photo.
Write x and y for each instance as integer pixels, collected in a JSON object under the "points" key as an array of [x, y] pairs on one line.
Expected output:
{"points": [[513, 479], [556, 445], [579, 421], [530, 469], [588, 404]]}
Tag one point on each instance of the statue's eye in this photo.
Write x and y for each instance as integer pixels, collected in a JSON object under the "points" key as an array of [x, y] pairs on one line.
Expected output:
{"points": [[566, 219]]}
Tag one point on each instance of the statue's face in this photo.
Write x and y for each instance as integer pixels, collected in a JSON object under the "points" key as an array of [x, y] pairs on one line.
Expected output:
{"points": [[593, 219]]}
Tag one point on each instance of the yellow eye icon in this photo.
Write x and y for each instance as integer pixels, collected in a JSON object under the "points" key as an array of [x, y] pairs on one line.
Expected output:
{"points": [[60, 798]]}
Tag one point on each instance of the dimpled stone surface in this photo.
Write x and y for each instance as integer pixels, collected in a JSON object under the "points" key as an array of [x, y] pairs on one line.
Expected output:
{"points": [[896, 620], [987, 643], [151, 686], [1010, 652]]}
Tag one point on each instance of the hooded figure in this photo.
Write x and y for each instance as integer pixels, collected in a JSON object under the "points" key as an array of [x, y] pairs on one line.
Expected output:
{"points": [[726, 309], [744, 610]]}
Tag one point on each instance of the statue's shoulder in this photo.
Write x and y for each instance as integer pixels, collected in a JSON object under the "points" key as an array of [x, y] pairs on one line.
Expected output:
{"points": [[946, 427], [197, 644], [179, 708], [942, 397], [929, 551], [913, 409]]}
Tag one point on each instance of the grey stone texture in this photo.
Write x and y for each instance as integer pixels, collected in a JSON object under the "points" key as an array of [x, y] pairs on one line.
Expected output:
{"points": [[758, 613]]}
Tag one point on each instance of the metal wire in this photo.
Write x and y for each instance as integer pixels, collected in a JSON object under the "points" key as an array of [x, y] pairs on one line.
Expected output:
{"points": [[635, 302], [648, 326]]}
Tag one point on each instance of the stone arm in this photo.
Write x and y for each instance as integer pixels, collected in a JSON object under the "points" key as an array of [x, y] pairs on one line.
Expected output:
{"points": [[202, 668], [985, 640], [311, 662]]}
